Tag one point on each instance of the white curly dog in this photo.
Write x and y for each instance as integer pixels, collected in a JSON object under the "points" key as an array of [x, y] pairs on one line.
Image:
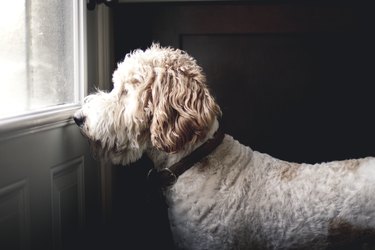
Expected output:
{"points": [[233, 198]]}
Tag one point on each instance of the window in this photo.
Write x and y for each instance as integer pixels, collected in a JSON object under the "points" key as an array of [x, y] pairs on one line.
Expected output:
{"points": [[41, 56]]}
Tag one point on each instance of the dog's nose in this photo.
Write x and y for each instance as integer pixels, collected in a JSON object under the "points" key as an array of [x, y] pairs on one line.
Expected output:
{"points": [[79, 120]]}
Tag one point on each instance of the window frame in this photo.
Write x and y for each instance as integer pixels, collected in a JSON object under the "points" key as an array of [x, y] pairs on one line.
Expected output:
{"points": [[58, 115]]}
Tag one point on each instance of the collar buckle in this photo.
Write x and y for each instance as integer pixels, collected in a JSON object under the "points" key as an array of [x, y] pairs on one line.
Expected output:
{"points": [[164, 177]]}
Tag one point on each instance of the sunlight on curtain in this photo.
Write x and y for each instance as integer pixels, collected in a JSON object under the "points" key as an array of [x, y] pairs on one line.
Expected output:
{"points": [[36, 55]]}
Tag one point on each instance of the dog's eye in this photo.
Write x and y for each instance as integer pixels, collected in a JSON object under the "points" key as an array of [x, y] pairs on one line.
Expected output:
{"points": [[135, 79], [124, 92]]}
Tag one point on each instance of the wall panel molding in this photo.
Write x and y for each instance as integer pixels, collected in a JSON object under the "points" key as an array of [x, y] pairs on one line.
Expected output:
{"points": [[15, 216], [68, 200]]}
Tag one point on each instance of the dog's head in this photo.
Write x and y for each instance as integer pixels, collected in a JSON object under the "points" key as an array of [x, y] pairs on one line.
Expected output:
{"points": [[160, 99]]}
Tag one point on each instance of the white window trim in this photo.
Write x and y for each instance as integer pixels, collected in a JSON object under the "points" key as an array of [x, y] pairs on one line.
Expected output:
{"points": [[60, 115]]}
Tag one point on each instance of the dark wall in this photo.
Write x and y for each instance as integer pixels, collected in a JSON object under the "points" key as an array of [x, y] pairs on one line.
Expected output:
{"points": [[293, 79]]}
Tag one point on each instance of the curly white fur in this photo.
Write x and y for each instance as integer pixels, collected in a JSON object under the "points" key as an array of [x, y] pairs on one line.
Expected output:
{"points": [[235, 198]]}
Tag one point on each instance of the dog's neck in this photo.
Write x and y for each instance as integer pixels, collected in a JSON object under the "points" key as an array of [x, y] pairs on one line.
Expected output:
{"points": [[164, 160]]}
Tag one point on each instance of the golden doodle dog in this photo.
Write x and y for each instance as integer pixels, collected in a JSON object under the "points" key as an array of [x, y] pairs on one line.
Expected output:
{"points": [[220, 193]]}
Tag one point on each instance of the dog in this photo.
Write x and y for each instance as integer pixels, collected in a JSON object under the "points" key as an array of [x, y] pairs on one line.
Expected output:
{"points": [[220, 193]]}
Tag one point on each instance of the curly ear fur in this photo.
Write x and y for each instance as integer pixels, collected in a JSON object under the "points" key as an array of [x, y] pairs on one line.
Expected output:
{"points": [[183, 108]]}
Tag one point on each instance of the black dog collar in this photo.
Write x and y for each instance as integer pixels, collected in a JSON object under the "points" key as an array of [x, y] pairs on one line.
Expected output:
{"points": [[168, 176]]}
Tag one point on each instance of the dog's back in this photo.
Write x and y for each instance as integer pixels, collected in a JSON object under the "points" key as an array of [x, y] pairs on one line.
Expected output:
{"points": [[242, 199]]}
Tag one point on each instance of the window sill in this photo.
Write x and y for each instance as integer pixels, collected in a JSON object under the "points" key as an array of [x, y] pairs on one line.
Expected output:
{"points": [[38, 121]]}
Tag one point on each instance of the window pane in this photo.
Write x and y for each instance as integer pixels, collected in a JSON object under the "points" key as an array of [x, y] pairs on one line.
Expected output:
{"points": [[36, 55]]}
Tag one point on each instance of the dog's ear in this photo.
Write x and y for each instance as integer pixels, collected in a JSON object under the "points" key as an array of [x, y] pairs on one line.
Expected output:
{"points": [[183, 108]]}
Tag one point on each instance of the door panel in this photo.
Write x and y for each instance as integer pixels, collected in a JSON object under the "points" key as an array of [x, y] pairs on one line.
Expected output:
{"points": [[49, 183], [42, 188], [15, 215]]}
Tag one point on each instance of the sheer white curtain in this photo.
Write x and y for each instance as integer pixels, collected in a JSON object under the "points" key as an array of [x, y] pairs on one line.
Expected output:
{"points": [[36, 55]]}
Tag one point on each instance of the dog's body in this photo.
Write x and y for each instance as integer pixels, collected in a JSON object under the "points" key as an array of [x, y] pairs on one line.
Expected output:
{"points": [[234, 198], [242, 199]]}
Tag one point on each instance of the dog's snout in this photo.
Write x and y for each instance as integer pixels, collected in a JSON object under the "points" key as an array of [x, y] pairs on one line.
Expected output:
{"points": [[79, 120]]}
